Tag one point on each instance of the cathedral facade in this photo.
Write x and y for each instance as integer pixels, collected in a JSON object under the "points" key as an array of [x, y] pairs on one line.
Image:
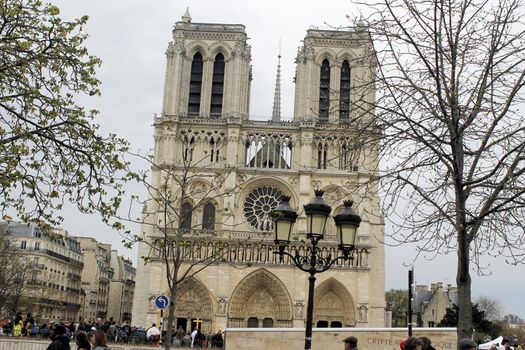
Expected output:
{"points": [[241, 167]]}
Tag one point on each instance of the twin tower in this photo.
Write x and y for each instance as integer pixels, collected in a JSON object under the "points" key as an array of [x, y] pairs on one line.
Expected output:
{"points": [[234, 171]]}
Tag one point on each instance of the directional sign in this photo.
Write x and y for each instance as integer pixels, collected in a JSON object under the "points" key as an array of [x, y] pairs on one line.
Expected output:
{"points": [[162, 302]]}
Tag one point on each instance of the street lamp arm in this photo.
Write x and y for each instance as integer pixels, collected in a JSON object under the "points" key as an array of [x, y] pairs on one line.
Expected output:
{"points": [[304, 263]]}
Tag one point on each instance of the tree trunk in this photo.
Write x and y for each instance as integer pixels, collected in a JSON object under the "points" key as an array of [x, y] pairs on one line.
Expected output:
{"points": [[463, 281], [171, 317]]}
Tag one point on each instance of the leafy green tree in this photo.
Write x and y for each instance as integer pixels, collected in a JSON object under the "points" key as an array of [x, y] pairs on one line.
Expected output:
{"points": [[51, 150], [397, 302], [479, 320]]}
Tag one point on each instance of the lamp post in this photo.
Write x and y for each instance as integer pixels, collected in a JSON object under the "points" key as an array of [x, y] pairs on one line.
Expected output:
{"points": [[317, 213]]}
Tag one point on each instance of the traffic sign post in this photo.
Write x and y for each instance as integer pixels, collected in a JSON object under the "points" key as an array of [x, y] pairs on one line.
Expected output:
{"points": [[162, 302]]}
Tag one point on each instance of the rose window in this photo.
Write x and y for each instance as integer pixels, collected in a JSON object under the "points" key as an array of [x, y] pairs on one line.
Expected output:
{"points": [[259, 205]]}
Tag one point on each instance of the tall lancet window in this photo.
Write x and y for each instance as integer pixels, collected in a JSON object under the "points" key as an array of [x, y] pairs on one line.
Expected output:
{"points": [[185, 216], [344, 102], [194, 101], [217, 86], [324, 91], [208, 217]]}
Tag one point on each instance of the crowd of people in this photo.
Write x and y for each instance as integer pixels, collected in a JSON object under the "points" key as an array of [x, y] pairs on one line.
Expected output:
{"points": [[88, 334]]}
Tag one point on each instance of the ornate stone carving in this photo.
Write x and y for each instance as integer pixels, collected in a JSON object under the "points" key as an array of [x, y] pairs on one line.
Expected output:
{"points": [[316, 185], [333, 302], [258, 206], [299, 306], [222, 302], [334, 195], [363, 312], [198, 189], [293, 180], [260, 294], [193, 300]]}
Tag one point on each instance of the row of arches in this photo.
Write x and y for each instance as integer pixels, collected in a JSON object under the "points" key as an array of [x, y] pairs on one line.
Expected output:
{"points": [[262, 300]]}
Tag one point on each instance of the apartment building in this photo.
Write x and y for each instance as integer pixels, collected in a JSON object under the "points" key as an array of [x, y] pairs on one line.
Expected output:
{"points": [[96, 277], [53, 281], [122, 288]]}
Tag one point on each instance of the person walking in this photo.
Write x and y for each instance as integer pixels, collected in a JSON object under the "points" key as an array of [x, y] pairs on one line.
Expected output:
{"points": [[99, 341], [467, 344], [179, 334], [350, 343], [82, 341], [59, 339]]}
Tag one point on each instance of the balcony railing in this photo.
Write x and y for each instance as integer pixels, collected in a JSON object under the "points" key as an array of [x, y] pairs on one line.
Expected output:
{"points": [[64, 258], [73, 276]]}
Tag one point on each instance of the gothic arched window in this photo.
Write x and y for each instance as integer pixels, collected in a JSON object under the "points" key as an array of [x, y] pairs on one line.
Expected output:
{"points": [[185, 216], [217, 86], [208, 217], [324, 91], [344, 102], [194, 100]]}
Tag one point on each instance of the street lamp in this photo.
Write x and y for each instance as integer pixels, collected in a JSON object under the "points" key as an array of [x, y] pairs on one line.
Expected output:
{"points": [[317, 213]]}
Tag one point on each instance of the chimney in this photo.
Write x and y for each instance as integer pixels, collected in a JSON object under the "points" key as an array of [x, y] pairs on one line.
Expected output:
{"points": [[421, 288]]}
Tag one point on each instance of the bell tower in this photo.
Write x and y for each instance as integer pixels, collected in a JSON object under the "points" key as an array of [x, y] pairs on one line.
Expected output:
{"points": [[333, 75], [208, 70]]}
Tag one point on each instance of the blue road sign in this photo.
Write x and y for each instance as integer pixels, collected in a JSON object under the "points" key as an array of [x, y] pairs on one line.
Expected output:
{"points": [[162, 302]]}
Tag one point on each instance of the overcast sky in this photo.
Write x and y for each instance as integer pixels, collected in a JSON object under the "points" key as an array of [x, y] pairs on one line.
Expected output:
{"points": [[131, 36]]}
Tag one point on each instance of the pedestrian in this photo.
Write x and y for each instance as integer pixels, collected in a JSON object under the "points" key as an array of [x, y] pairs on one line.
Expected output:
{"points": [[193, 334], [59, 339], [427, 343], [506, 343], [99, 341], [198, 340], [217, 340], [467, 344], [179, 334], [186, 340], [82, 341], [350, 343], [17, 329], [413, 343], [153, 334]]}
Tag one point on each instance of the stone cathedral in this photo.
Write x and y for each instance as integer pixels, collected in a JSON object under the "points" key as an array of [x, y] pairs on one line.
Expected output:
{"points": [[241, 167]]}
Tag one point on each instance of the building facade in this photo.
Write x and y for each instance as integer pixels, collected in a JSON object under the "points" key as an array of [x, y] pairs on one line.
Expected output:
{"points": [[431, 304], [239, 168], [121, 289], [53, 284], [96, 278]]}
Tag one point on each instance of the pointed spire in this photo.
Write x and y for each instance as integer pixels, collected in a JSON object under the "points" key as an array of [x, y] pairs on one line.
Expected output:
{"points": [[187, 18], [276, 112]]}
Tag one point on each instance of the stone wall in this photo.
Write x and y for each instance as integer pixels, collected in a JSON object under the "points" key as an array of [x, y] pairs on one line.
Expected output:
{"points": [[330, 339]]}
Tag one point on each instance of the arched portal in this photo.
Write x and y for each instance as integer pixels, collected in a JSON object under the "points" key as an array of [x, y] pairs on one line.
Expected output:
{"points": [[194, 306], [333, 304], [260, 299]]}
